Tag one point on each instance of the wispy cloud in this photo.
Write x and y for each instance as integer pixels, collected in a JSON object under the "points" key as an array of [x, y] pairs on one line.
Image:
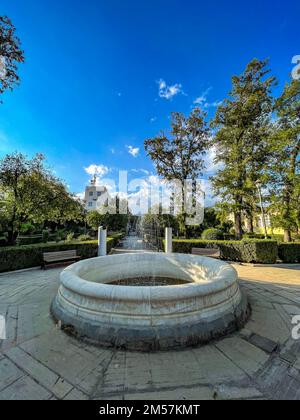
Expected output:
{"points": [[153, 119], [203, 101], [168, 92], [214, 104], [133, 151]]}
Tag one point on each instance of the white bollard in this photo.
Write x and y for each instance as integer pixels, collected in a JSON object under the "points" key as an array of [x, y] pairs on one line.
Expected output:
{"points": [[168, 238], [102, 236]]}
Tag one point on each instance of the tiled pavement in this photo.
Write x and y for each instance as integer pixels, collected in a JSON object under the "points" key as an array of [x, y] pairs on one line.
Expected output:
{"points": [[38, 361]]}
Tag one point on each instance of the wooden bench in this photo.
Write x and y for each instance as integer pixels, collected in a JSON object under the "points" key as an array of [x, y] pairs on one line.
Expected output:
{"points": [[206, 252], [60, 257]]}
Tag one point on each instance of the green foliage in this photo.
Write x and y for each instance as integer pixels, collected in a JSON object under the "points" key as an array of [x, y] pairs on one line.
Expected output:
{"points": [[28, 256], [181, 157], [243, 124], [185, 246], [212, 234], [285, 165], [11, 51], [84, 238], [250, 251], [27, 229], [32, 194], [289, 252], [70, 237], [60, 235], [29, 240], [113, 222], [45, 235]]}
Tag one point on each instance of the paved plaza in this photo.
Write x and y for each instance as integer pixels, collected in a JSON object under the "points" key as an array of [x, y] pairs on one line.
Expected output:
{"points": [[38, 361]]}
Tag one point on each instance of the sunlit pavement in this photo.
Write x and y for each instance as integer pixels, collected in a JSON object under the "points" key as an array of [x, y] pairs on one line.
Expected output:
{"points": [[38, 361]]}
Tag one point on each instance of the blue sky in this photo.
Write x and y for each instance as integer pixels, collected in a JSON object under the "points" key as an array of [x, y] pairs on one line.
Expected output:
{"points": [[90, 86]]}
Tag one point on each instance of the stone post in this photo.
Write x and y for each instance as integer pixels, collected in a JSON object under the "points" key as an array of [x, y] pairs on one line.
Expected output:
{"points": [[168, 241], [102, 236]]}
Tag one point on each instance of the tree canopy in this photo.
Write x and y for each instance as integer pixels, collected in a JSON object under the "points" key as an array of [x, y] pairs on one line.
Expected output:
{"points": [[285, 162], [11, 55], [31, 193], [180, 157], [243, 126]]}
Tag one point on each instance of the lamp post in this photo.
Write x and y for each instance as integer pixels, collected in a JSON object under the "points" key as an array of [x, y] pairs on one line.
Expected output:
{"points": [[259, 186]]}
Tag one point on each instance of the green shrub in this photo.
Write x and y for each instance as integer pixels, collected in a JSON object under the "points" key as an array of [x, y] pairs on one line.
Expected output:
{"points": [[250, 251], [70, 237], [289, 253], [45, 235], [28, 256], [212, 235], [185, 246], [253, 236], [84, 238], [3, 240], [29, 240], [27, 229]]}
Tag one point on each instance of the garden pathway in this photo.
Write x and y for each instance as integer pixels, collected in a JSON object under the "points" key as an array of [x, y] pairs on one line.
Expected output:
{"points": [[38, 361]]}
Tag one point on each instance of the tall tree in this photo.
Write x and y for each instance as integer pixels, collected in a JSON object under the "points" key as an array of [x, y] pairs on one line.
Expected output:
{"points": [[180, 157], [30, 193], [285, 168], [243, 124], [11, 55]]}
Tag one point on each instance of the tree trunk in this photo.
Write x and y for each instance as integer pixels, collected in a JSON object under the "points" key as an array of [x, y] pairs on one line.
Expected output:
{"points": [[12, 237], [238, 225], [250, 227], [287, 236]]}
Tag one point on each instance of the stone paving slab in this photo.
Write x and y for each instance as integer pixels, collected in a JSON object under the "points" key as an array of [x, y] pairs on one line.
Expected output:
{"points": [[25, 389], [38, 361], [243, 354]]}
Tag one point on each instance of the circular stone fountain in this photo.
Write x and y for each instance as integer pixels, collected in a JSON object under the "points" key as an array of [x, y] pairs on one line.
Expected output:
{"points": [[150, 301]]}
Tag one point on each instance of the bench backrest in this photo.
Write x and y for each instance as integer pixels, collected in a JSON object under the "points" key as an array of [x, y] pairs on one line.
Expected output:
{"points": [[209, 252], [53, 256]]}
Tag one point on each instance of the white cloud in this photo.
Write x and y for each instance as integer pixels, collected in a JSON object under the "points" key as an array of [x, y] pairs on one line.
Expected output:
{"points": [[153, 119], [203, 101], [80, 196], [98, 170], [168, 92], [211, 166], [133, 151]]}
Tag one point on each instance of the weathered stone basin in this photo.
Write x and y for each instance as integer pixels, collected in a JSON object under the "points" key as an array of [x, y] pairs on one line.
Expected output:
{"points": [[205, 305]]}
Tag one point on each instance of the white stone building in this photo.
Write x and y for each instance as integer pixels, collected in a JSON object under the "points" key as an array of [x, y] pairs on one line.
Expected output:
{"points": [[93, 196]]}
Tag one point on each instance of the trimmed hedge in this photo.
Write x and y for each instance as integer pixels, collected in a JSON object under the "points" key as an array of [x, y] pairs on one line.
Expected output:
{"points": [[185, 246], [212, 235], [289, 253], [249, 251], [28, 256]]}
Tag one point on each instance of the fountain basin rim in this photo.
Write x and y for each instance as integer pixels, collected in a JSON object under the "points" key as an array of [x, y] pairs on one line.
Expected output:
{"points": [[71, 280]]}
